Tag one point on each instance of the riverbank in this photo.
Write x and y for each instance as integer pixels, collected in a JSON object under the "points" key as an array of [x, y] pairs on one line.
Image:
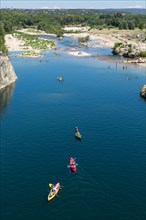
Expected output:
{"points": [[14, 44], [30, 45], [108, 38], [98, 38]]}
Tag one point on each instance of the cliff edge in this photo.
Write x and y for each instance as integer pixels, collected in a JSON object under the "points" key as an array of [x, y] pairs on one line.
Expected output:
{"points": [[7, 73], [143, 92]]}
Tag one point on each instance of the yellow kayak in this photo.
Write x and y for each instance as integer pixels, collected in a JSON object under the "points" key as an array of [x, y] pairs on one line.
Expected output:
{"points": [[54, 191]]}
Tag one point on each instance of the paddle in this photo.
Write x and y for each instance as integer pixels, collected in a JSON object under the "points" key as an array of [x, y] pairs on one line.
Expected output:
{"points": [[51, 185]]}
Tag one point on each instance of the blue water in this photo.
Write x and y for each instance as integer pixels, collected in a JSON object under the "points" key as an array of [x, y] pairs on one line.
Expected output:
{"points": [[38, 115]]}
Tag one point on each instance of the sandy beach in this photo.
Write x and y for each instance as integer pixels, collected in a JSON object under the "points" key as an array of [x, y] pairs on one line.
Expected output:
{"points": [[14, 44]]}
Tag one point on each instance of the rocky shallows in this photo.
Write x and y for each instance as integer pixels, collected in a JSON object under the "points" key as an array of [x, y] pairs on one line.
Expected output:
{"points": [[7, 73]]}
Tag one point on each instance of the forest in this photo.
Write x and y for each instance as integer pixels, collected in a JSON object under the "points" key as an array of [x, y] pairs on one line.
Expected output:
{"points": [[53, 21]]}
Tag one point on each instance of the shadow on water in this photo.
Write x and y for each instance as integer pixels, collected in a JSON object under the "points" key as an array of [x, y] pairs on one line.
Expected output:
{"points": [[5, 97]]}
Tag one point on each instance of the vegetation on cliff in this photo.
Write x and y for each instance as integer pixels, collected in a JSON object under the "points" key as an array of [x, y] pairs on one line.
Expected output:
{"points": [[2, 39]]}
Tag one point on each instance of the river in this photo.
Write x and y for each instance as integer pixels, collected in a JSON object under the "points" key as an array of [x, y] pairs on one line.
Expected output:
{"points": [[38, 116]]}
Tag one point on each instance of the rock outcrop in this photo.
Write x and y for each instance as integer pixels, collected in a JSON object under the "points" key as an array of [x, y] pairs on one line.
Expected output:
{"points": [[136, 53], [143, 92], [7, 73]]}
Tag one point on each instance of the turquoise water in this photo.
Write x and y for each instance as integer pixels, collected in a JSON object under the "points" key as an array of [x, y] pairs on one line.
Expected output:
{"points": [[38, 116]]}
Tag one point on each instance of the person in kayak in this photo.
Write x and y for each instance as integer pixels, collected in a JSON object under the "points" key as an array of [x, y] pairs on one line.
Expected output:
{"points": [[54, 190], [73, 164], [76, 130]]}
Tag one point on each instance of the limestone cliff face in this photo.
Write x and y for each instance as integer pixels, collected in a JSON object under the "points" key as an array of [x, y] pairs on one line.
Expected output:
{"points": [[143, 92], [7, 73]]}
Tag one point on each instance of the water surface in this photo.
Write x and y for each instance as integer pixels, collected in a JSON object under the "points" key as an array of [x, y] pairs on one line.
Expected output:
{"points": [[38, 118]]}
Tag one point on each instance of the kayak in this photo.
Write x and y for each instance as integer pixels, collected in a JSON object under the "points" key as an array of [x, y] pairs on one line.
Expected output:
{"points": [[54, 191], [78, 135], [73, 165]]}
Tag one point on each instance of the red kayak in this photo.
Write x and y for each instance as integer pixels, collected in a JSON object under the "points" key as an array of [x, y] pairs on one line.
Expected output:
{"points": [[73, 165]]}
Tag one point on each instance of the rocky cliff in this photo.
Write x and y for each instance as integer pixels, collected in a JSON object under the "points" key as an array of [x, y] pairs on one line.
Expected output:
{"points": [[143, 92], [7, 74]]}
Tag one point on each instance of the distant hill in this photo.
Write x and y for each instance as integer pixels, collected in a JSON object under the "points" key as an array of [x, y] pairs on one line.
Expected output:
{"points": [[128, 10], [79, 11]]}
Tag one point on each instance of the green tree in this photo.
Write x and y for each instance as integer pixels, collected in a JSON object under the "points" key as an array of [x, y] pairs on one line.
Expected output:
{"points": [[8, 27], [141, 26], [2, 39], [2, 31], [131, 26], [125, 25], [121, 25]]}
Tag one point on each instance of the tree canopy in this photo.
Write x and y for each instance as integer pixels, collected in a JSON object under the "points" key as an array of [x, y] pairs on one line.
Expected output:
{"points": [[53, 21]]}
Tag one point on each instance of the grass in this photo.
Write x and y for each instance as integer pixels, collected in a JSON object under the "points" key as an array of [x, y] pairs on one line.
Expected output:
{"points": [[35, 42], [31, 54]]}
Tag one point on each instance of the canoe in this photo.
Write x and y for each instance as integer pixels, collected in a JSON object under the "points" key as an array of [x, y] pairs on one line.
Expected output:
{"points": [[78, 135], [73, 165], [54, 191]]}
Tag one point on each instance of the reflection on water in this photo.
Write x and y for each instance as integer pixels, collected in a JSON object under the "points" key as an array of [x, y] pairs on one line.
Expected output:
{"points": [[5, 97]]}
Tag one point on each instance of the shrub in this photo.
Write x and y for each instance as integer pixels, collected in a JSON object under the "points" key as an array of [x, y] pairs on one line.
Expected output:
{"points": [[142, 54]]}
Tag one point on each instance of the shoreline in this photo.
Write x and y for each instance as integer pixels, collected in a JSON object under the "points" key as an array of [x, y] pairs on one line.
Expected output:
{"points": [[101, 38], [15, 45]]}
